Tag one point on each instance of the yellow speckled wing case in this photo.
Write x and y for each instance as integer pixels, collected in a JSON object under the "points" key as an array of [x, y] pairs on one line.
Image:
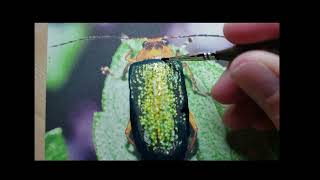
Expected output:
{"points": [[159, 111]]}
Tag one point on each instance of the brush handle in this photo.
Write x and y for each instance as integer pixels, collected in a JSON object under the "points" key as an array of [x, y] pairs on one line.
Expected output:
{"points": [[230, 53]]}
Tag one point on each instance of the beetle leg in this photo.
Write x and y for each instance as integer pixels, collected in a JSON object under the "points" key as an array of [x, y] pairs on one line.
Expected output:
{"points": [[194, 83], [183, 47], [178, 52], [194, 127], [125, 71], [186, 43], [128, 56], [130, 61], [128, 132], [105, 70]]}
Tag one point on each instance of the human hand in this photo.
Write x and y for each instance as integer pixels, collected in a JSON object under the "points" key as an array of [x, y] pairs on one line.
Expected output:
{"points": [[251, 82]]}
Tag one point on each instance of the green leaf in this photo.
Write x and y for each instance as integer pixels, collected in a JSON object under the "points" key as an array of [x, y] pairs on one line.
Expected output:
{"points": [[109, 125], [211, 134], [55, 146]]}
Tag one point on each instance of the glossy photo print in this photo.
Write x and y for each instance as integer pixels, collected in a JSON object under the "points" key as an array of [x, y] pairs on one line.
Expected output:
{"points": [[141, 91]]}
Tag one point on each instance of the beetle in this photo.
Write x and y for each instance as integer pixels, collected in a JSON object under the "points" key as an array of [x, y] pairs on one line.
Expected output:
{"points": [[160, 123]]}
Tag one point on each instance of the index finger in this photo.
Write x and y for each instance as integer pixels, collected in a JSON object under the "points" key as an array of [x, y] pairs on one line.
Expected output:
{"points": [[243, 33]]}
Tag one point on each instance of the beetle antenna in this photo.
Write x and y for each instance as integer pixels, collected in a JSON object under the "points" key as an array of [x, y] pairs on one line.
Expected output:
{"points": [[125, 37], [195, 35], [92, 38]]}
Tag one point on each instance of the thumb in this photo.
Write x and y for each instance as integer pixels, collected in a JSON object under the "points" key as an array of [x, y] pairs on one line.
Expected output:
{"points": [[257, 74]]}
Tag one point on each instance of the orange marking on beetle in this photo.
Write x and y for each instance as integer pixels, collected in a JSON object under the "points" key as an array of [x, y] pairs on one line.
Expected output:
{"points": [[153, 48]]}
